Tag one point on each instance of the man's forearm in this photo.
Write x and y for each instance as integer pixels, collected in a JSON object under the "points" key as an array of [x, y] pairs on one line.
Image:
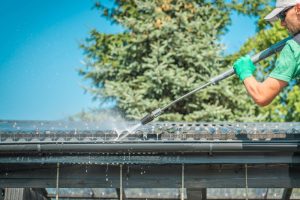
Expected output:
{"points": [[263, 93], [255, 90]]}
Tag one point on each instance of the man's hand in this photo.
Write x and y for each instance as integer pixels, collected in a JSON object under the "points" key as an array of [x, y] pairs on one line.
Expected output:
{"points": [[244, 67]]}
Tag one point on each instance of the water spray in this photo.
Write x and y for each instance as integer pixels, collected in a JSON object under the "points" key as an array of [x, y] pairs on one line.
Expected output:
{"points": [[128, 132]]}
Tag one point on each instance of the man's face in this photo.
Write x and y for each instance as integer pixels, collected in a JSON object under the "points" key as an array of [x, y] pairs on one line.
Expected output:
{"points": [[292, 20]]}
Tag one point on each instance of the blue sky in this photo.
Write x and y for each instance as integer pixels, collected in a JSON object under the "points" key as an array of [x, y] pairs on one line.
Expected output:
{"points": [[40, 54]]}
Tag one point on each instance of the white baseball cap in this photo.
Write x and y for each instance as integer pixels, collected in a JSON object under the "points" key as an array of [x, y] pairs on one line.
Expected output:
{"points": [[281, 5]]}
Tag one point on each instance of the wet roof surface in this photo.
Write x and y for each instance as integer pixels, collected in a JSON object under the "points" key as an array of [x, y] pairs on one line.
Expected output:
{"points": [[66, 130]]}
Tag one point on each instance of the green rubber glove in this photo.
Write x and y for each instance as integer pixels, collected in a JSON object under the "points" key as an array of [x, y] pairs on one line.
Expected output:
{"points": [[244, 67]]}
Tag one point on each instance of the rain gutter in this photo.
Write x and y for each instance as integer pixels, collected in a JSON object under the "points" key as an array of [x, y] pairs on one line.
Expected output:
{"points": [[170, 147]]}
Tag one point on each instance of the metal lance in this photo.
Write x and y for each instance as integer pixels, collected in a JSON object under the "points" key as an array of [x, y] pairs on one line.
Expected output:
{"points": [[255, 59]]}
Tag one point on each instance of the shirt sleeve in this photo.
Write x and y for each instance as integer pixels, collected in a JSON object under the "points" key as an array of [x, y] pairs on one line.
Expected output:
{"points": [[285, 65]]}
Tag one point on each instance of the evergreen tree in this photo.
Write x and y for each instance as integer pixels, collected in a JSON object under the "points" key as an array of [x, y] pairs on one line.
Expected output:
{"points": [[169, 48]]}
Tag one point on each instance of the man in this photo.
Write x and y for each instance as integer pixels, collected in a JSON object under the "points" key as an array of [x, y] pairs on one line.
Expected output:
{"points": [[287, 65]]}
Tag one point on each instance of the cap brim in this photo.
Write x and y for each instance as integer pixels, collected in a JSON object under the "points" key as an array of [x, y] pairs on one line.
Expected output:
{"points": [[272, 16]]}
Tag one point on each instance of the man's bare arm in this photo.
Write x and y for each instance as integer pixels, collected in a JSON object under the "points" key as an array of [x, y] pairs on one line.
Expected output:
{"points": [[263, 93]]}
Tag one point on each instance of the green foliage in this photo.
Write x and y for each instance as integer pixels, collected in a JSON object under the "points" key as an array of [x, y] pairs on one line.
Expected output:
{"points": [[168, 49], [285, 109]]}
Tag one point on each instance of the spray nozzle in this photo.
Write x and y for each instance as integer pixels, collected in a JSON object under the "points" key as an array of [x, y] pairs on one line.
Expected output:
{"points": [[149, 117]]}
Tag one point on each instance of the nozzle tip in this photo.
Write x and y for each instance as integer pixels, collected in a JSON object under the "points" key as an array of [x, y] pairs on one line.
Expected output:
{"points": [[148, 118]]}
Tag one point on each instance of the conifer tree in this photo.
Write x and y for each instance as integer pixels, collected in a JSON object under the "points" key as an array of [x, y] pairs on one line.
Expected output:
{"points": [[168, 49]]}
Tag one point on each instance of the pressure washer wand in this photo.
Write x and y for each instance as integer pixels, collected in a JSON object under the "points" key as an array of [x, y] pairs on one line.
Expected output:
{"points": [[255, 59]]}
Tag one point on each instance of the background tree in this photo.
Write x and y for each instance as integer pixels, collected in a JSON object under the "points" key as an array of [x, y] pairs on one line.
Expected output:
{"points": [[169, 48]]}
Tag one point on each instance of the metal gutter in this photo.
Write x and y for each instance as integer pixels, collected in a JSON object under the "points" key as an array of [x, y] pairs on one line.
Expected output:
{"points": [[151, 147]]}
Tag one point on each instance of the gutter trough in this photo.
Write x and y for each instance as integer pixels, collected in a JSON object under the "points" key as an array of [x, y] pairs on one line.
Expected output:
{"points": [[166, 147]]}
